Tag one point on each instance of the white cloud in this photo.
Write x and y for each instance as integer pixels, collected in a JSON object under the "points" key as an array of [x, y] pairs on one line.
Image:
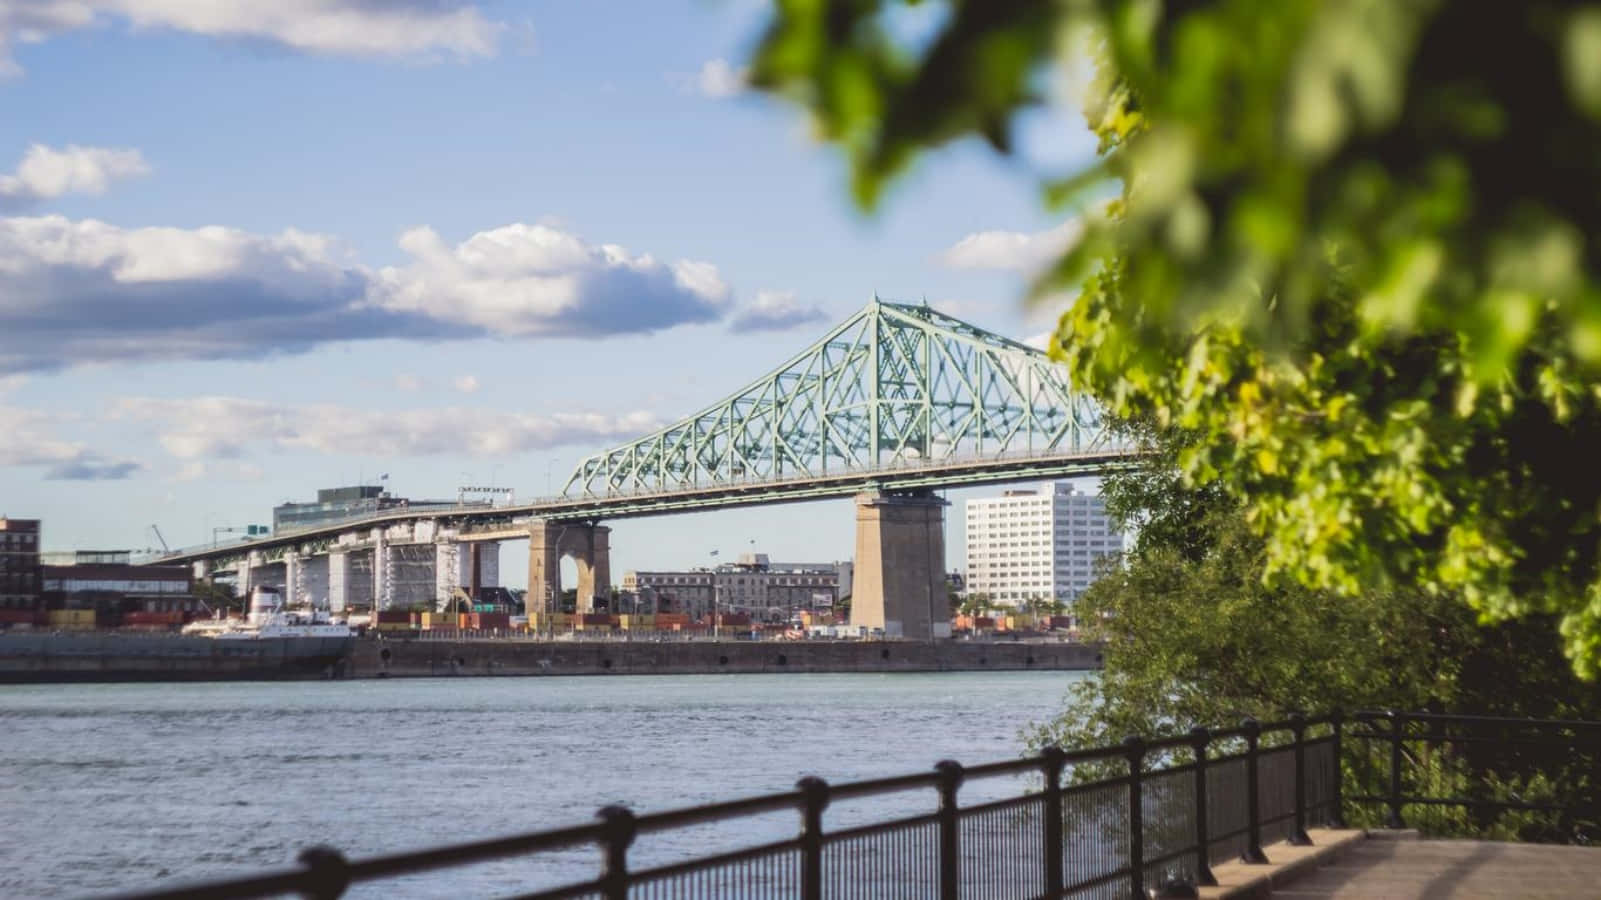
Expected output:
{"points": [[408, 383], [1041, 341], [1012, 251], [467, 384], [537, 280], [201, 428], [224, 471], [85, 291], [775, 311], [46, 172], [718, 79], [26, 439], [416, 29]]}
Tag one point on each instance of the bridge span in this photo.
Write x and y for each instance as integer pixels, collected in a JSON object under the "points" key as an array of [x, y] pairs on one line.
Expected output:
{"points": [[890, 406]]}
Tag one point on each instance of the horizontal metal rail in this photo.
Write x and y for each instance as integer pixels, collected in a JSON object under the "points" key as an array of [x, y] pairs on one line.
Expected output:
{"points": [[1573, 740], [1165, 813], [1105, 812]]}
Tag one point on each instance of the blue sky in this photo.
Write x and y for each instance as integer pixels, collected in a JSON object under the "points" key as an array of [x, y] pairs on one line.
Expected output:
{"points": [[249, 250]]}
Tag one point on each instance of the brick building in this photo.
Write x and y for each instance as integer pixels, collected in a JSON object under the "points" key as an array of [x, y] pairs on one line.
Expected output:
{"points": [[20, 575]]}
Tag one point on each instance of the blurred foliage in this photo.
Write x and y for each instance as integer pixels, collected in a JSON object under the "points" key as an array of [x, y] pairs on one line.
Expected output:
{"points": [[1194, 634], [1352, 251]]}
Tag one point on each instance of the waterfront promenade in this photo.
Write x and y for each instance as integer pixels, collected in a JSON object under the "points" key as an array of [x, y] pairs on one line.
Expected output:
{"points": [[1398, 865]]}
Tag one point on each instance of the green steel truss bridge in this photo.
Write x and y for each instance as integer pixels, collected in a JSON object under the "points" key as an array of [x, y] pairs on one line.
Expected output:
{"points": [[896, 398], [891, 386]]}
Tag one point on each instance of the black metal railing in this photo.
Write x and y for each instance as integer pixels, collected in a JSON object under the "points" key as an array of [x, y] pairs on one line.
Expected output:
{"points": [[1104, 822], [1488, 766]]}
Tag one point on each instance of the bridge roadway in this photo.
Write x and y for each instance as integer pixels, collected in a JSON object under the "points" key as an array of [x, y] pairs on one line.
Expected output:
{"points": [[479, 523]]}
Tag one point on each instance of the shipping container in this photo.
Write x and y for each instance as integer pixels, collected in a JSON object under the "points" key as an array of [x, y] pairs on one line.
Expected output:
{"points": [[433, 621], [394, 615], [72, 617], [152, 618]]}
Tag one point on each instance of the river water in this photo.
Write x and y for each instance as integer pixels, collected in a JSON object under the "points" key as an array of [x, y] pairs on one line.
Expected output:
{"points": [[109, 787]]}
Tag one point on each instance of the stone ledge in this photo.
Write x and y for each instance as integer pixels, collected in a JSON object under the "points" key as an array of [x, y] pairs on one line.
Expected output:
{"points": [[1238, 880]]}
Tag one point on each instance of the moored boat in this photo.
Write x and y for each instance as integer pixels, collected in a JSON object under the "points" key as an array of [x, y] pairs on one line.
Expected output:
{"points": [[268, 618]]}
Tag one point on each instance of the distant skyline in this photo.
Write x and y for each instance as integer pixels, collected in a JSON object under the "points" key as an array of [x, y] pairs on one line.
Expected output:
{"points": [[251, 251]]}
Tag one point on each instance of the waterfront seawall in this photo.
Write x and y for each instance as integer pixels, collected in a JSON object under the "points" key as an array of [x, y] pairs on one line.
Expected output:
{"points": [[52, 658], [400, 659], [47, 658]]}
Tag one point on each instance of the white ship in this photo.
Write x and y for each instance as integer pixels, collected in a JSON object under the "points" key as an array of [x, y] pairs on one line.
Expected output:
{"points": [[269, 619]]}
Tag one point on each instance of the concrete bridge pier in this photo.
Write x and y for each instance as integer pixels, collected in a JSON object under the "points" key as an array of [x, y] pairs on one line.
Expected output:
{"points": [[382, 572], [338, 580], [306, 579], [899, 583], [294, 579], [245, 580], [589, 545]]}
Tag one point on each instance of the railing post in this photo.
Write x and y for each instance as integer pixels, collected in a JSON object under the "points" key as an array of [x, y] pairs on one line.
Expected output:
{"points": [[1134, 747], [1299, 837], [1253, 807], [1051, 759], [1397, 730], [619, 834], [327, 872], [1200, 738], [950, 845], [1337, 793], [814, 800]]}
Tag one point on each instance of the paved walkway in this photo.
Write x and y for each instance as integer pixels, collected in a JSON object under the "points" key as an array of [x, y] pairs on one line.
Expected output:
{"points": [[1383, 867]]}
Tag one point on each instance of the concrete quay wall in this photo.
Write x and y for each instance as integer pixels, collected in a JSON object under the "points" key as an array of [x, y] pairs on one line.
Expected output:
{"points": [[52, 658], [410, 658]]}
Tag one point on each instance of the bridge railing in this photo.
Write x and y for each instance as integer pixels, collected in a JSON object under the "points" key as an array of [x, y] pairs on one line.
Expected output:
{"points": [[1102, 822], [899, 468]]}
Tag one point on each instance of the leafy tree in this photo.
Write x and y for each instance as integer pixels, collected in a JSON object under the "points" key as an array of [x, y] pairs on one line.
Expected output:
{"points": [[1193, 633], [216, 595], [977, 604], [1351, 252]]}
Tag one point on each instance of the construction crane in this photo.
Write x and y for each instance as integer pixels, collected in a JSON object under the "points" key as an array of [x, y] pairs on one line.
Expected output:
{"points": [[161, 540]]}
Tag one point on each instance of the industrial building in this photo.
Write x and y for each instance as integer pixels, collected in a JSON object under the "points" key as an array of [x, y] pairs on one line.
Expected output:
{"points": [[1028, 544], [108, 582], [341, 504], [753, 583]]}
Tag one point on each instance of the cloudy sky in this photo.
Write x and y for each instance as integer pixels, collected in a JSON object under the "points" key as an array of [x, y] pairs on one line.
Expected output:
{"points": [[252, 249]]}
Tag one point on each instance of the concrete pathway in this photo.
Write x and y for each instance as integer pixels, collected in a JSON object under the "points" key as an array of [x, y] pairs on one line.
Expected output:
{"points": [[1400, 866]]}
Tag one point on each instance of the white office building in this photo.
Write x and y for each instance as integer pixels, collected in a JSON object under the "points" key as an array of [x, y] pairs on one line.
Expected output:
{"points": [[1037, 543]]}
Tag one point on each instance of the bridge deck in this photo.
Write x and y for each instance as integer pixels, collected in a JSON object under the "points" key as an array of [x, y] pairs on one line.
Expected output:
{"points": [[1386, 866]]}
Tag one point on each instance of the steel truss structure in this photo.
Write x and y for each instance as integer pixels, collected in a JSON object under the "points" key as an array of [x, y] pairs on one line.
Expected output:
{"points": [[893, 385]]}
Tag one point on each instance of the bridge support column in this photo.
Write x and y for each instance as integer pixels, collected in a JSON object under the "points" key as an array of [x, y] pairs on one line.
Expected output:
{"points": [[382, 571], [338, 581], [899, 582], [594, 568], [294, 589], [588, 545], [447, 571], [246, 579]]}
